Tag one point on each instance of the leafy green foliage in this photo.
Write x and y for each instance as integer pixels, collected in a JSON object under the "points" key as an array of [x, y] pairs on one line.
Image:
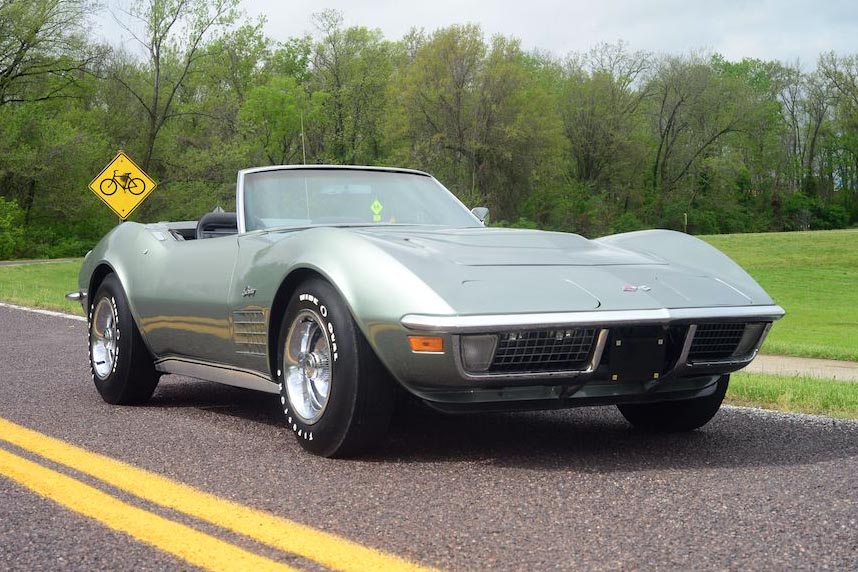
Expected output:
{"points": [[42, 48], [598, 142], [11, 229]]}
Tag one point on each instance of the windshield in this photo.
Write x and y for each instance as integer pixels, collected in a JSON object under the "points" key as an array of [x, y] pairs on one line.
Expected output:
{"points": [[303, 197]]}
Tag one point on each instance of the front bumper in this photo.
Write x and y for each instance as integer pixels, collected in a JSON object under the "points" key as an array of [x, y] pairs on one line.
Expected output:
{"points": [[443, 379], [661, 316]]}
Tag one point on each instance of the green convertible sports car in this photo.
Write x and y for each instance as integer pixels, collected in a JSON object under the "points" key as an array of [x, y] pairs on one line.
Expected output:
{"points": [[332, 287]]}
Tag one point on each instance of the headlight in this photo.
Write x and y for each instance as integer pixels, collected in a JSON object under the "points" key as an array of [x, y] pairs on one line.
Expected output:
{"points": [[478, 351], [750, 339]]}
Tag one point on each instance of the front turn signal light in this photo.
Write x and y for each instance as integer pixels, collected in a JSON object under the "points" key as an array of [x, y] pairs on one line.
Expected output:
{"points": [[426, 344]]}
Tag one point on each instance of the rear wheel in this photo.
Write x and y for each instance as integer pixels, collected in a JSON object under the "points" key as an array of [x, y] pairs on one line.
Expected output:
{"points": [[675, 416], [122, 368], [336, 396]]}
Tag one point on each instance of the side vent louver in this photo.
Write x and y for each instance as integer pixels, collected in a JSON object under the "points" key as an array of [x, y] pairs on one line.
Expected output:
{"points": [[249, 332]]}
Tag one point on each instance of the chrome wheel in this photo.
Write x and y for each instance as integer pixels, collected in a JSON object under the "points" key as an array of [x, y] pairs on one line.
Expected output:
{"points": [[103, 338], [307, 364]]}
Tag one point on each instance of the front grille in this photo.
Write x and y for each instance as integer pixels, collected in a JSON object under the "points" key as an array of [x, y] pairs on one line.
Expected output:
{"points": [[543, 351], [715, 341]]}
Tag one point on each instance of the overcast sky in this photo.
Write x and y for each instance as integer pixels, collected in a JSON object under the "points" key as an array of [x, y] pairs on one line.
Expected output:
{"points": [[783, 30]]}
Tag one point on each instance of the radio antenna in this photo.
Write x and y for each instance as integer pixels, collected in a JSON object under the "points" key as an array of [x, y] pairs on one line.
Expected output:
{"points": [[303, 147]]}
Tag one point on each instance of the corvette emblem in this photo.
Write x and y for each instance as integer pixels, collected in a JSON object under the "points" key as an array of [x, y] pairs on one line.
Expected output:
{"points": [[632, 288], [248, 292]]}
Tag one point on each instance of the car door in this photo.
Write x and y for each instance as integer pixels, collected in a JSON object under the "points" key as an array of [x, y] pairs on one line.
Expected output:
{"points": [[186, 313]]}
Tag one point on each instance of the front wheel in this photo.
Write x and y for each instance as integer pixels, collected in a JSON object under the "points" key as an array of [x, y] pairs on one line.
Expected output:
{"points": [[336, 395], [122, 368], [676, 416]]}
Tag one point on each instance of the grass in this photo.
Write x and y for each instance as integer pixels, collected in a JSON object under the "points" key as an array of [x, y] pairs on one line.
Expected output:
{"points": [[41, 285], [814, 277], [795, 394]]}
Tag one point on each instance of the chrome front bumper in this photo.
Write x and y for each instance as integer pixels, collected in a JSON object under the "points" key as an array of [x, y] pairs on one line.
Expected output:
{"points": [[496, 322], [684, 366]]}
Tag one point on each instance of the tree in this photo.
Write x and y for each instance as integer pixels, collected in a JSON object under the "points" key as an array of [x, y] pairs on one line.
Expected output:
{"points": [[274, 116], [174, 34], [10, 228], [481, 117], [601, 97], [42, 50], [695, 106], [352, 66], [841, 147]]}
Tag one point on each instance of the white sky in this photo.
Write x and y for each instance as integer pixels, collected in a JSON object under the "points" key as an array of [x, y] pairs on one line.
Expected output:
{"points": [[784, 30]]}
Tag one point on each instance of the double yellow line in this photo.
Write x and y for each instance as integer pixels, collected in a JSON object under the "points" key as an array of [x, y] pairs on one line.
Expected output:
{"points": [[183, 541]]}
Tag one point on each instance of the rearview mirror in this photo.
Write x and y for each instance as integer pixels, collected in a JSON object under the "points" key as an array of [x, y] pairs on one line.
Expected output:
{"points": [[481, 213]]}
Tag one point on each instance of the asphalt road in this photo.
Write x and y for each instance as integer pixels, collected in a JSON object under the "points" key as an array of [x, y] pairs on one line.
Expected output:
{"points": [[568, 490]]}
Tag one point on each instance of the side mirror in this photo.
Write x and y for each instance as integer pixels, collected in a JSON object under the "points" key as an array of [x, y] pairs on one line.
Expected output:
{"points": [[481, 213]]}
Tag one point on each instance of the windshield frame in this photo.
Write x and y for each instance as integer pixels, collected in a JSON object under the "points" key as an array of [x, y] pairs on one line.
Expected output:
{"points": [[242, 174]]}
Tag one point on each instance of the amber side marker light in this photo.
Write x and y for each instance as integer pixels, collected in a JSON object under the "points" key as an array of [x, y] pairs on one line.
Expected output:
{"points": [[426, 344]]}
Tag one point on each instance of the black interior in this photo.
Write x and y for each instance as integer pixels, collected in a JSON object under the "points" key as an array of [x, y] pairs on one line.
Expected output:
{"points": [[213, 225]]}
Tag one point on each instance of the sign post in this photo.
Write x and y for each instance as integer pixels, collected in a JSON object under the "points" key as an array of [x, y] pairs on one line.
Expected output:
{"points": [[122, 185]]}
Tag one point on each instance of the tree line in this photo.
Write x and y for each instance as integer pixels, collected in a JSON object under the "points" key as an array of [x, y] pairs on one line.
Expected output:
{"points": [[602, 141]]}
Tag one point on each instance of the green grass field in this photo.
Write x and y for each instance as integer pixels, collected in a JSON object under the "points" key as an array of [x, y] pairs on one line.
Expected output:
{"points": [[814, 277], [795, 394], [41, 285]]}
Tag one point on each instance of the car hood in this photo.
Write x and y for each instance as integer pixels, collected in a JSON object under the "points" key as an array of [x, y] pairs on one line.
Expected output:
{"points": [[487, 271]]}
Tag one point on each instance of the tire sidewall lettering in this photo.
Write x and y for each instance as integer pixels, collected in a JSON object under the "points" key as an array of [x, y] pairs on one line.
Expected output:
{"points": [[327, 322], [117, 331], [307, 300]]}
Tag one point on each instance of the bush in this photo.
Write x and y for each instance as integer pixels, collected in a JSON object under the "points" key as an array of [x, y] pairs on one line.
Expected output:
{"points": [[11, 229], [62, 239], [626, 222], [802, 212]]}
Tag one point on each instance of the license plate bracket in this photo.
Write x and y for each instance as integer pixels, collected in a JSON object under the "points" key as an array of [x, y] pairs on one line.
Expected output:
{"points": [[635, 358]]}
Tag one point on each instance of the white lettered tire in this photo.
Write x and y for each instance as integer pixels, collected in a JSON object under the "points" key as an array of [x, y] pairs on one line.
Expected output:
{"points": [[336, 396]]}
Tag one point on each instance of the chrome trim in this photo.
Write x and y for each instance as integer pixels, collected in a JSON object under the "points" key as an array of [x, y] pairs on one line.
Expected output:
{"points": [[239, 203], [218, 373], [104, 338], [601, 342], [686, 347], [307, 367], [78, 296], [731, 361], [498, 322], [313, 167], [763, 338]]}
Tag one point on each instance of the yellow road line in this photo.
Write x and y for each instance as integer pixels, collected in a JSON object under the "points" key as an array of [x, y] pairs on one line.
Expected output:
{"points": [[322, 547], [191, 545]]}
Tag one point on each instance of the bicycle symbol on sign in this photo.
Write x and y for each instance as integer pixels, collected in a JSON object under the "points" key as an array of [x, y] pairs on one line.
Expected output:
{"points": [[125, 181]]}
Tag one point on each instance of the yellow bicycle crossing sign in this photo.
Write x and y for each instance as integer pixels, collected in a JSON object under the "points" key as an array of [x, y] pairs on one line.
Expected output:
{"points": [[122, 185]]}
